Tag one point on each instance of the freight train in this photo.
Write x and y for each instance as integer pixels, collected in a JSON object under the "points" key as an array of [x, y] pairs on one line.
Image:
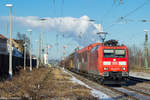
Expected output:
{"points": [[107, 62]]}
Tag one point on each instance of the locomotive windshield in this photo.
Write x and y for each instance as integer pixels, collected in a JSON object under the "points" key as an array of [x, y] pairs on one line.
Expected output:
{"points": [[114, 53], [108, 53], [120, 53]]}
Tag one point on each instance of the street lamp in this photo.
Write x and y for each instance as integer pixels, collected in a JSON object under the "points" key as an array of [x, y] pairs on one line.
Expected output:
{"points": [[10, 42], [30, 31], [41, 40]]}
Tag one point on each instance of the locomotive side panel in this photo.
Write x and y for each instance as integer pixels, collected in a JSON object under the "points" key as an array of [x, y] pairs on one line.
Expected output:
{"points": [[93, 61]]}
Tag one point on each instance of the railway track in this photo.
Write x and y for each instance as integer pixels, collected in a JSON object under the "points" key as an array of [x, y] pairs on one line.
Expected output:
{"points": [[132, 93], [124, 92], [138, 89], [140, 80]]}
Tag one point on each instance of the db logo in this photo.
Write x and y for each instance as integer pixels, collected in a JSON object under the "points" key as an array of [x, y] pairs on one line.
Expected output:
{"points": [[114, 63], [114, 59]]}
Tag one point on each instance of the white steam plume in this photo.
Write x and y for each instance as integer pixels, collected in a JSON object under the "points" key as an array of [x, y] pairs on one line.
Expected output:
{"points": [[80, 29]]}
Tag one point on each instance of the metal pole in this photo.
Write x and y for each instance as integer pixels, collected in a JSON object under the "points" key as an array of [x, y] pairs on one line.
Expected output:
{"points": [[25, 56], [57, 44], [40, 49], [146, 51], [37, 66], [41, 40], [7, 30], [10, 49], [30, 50], [25, 52], [42, 46], [7, 35]]}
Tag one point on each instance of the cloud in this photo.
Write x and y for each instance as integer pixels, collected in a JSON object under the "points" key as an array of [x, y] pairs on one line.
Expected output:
{"points": [[80, 29]]}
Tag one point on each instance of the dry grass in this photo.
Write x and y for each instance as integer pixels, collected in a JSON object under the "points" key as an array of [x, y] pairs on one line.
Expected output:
{"points": [[61, 88], [23, 84], [139, 69], [44, 84]]}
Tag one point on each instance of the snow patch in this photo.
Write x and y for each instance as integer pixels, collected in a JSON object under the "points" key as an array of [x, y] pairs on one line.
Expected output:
{"points": [[63, 69], [94, 92], [140, 75]]}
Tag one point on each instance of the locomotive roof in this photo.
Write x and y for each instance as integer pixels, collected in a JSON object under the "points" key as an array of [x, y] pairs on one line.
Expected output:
{"points": [[89, 47]]}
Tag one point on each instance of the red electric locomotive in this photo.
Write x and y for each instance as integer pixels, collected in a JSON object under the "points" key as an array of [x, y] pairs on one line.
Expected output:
{"points": [[107, 62]]}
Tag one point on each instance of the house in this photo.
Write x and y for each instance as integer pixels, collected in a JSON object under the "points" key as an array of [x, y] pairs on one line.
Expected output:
{"points": [[19, 44], [17, 48], [3, 45]]}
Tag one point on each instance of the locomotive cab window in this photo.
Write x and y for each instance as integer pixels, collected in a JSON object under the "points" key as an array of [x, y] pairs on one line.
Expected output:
{"points": [[112, 53], [108, 53], [120, 53]]}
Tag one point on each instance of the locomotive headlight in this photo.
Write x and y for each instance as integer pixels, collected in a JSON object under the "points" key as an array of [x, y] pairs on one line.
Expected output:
{"points": [[105, 68], [122, 63], [123, 68], [106, 63]]}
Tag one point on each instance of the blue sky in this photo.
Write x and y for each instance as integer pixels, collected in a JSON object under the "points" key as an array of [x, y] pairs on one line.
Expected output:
{"points": [[129, 31]]}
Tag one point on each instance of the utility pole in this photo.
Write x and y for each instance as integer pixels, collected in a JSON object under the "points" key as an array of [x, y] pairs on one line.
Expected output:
{"points": [[30, 49], [10, 42], [39, 49], [64, 52], [46, 54], [7, 30], [7, 34], [57, 43], [25, 44], [41, 41], [146, 50], [63, 57], [37, 65], [25, 56]]}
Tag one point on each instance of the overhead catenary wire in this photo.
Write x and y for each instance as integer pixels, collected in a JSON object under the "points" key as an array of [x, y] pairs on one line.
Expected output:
{"points": [[121, 18], [107, 13], [62, 7], [54, 3], [137, 8]]}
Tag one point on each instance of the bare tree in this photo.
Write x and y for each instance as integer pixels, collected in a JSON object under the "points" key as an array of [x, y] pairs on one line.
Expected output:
{"points": [[136, 57], [22, 39]]}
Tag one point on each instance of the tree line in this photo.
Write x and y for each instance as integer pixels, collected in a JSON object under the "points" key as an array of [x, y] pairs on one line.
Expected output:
{"points": [[136, 58]]}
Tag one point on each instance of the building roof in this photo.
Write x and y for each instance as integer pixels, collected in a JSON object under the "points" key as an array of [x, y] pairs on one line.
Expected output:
{"points": [[18, 41], [2, 37]]}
